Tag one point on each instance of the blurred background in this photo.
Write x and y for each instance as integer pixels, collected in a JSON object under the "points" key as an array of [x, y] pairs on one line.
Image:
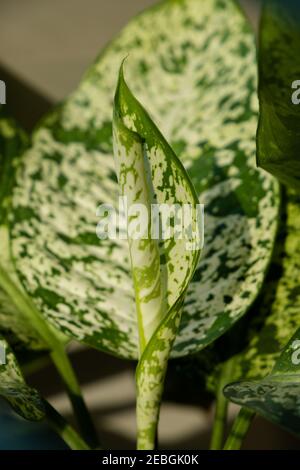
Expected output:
{"points": [[45, 46]]}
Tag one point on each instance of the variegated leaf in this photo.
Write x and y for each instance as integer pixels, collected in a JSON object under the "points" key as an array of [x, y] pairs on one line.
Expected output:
{"points": [[23, 399], [13, 142], [163, 257], [279, 91], [150, 376], [15, 328], [276, 397], [27, 323], [276, 315], [275, 392], [199, 86]]}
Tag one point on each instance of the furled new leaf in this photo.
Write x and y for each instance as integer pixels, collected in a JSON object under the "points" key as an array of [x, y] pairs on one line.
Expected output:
{"points": [[279, 91], [23, 399], [163, 257], [276, 397], [194, 70]]}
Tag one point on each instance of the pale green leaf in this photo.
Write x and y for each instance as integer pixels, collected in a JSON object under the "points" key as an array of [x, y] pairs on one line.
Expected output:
{"points": [[194, 70], [23, 399]]}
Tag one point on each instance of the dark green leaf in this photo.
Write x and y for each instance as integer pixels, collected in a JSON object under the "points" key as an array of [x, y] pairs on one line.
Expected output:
{"points": [[279, 91]]}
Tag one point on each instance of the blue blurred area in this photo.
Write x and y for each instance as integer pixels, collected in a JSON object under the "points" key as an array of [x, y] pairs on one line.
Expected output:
{"points": [[18, 434]]}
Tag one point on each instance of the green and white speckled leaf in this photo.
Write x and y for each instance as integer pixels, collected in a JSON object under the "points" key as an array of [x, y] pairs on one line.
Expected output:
{"points": [[194, 70], [13, 142], [15, 328], [23, 399], [276, 315], [276, 397], [274, 390], [279, 95], [150, 173]]}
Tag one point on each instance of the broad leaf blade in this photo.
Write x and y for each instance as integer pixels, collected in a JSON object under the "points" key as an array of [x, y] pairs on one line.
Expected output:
{"points": [[151, 175], [15, 328], [279, 124], [199, 86], [150, 376], [23, 399]]}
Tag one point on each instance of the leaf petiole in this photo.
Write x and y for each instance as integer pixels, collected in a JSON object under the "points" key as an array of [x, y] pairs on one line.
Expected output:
{"points": [[239, 429]]}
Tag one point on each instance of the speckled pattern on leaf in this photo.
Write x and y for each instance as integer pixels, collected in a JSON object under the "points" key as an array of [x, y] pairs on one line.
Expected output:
{"points": [[276, 396], [276, 315], [23, 399], [194, 70], [279, 69], [150, 173]]}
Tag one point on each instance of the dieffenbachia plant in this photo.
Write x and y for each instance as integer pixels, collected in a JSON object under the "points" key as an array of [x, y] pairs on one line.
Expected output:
{"points": [[199, 87], [150, 173], [279, 91], [23, 399]]}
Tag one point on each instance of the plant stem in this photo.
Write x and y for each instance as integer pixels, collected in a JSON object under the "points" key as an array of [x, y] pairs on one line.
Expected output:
{"points": [[220, 419], [239, 429], [64, 429]]}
